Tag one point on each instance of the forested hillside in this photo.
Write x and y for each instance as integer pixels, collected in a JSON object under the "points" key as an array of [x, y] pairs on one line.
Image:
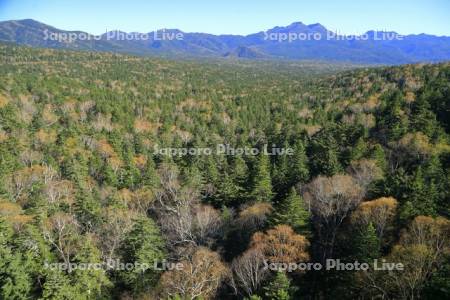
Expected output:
{"points": [[82, 180]]}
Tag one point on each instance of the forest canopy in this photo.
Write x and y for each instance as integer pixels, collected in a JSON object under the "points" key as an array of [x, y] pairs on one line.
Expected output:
{"points": [[80, 182]]}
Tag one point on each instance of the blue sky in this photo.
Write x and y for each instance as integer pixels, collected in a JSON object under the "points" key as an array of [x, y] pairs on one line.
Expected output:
{"points": [[234, 16]]}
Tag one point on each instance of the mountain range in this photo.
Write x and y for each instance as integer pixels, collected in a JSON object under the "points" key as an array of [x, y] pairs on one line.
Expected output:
{"points": [[297, 41]]}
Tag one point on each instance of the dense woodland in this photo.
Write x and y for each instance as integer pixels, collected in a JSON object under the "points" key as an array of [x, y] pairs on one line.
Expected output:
{"points": [[80, 181]]}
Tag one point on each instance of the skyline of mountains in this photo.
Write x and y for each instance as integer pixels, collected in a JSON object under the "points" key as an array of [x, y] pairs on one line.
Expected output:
{"points": [[296, 41]]}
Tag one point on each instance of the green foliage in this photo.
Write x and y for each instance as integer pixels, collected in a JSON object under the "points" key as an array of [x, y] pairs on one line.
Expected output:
{"points": [[78, 132], [279, 288], [324, 154], [15, 281], [143, 246], [293, 212], [367, 244], [262, 186], [439, 285], [57, 286], [90, 283], [392, 119]]}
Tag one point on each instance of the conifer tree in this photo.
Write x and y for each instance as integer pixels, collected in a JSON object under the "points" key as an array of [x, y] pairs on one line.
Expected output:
{"points": [[393, 121], [227, 190], [422, 195], [367, 245], [57, 285], [144, 246], [423, 119], [379, 156], [298, 166], [279, 288], [15, 282], [262, 187], [149, 176], [324, 151], [89, 282], [293, 212]]}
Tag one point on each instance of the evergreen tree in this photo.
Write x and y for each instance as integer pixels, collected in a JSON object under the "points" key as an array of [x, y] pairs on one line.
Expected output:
{"points": [[358, 151], [298, 166], [87, 208], [438, 287], [227, 190], [130, 175], [262, 187], [324, 151], [378, 154], [392, 120], [423, 119], [422, 195], [144, 246], [367, 244], [240, 174], [149, 176], [15, 282], [279, 288], [90, 283], [57, 285], [280, 174], [293, 212], [108, 176]]}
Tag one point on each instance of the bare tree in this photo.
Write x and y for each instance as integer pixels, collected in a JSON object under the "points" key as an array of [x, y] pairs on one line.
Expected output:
{"points": [[200, 276], [118, 222], [21, 181], [331, 199], [62, 232], [172, 197], [207, 225], [183, 219], [198, 225], [379, 212], [364, 172], [59, 191], [248, 271]]}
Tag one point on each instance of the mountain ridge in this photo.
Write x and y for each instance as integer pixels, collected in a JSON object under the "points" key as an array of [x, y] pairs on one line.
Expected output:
{"points": [[297, 41]]}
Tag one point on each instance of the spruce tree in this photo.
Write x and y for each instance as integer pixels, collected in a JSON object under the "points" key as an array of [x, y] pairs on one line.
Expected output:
{"points": [[145, 246], [227, 190], [367, 244], [240, 174], [392, 120], [324, 152], [262, 187], [423, 119], [422, 195], [298, 166], [149, 175], [57, 285], [15, 282], [293, 212], [90, 282], [279, 288]]}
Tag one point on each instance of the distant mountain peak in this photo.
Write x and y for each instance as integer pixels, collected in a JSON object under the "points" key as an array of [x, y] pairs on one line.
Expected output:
{"points": [[293, 41], [244, 52], [296, 24], [317, 27]]}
